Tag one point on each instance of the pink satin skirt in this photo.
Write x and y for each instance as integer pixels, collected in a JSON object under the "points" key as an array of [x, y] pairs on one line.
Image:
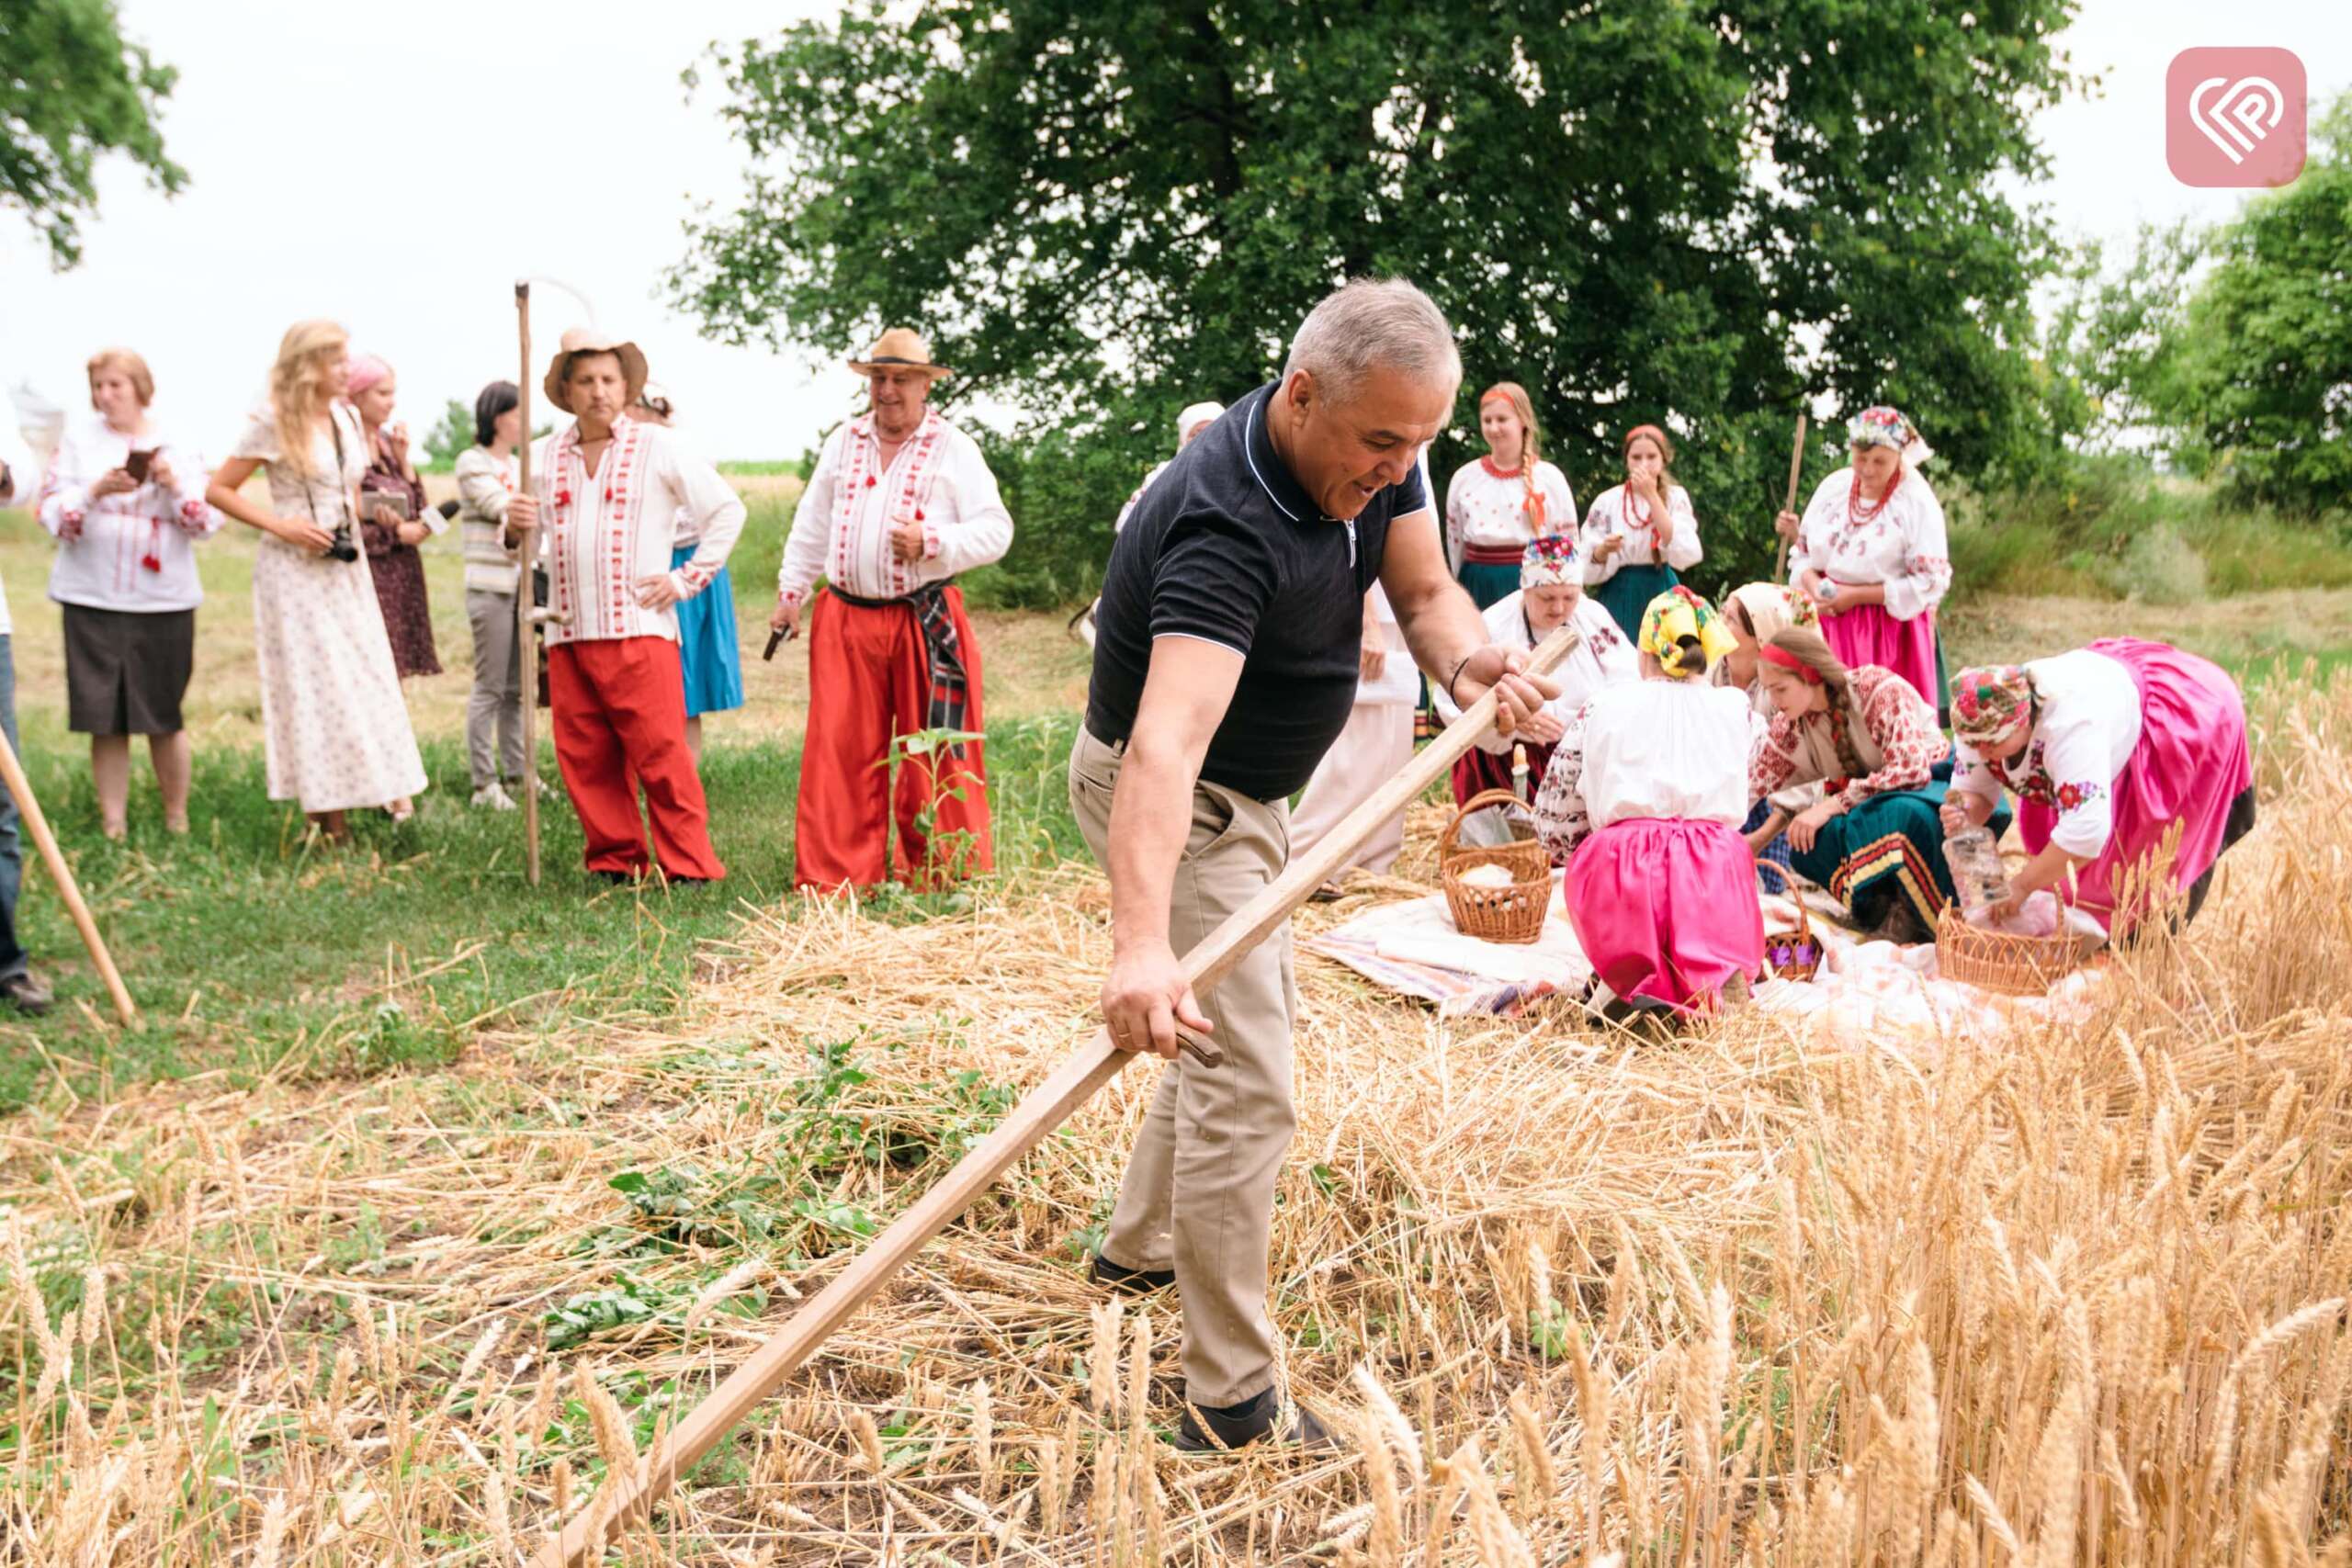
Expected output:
{"points": [[1666, 907], [1869, 635]]}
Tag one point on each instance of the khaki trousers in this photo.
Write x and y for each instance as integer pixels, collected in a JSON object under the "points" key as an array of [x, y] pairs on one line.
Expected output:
{"points": [[1198, 1196]]}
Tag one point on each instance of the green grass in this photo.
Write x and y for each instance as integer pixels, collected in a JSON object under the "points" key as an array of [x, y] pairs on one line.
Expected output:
{"points": [[796, 468], [2113, 529], [251, 951]]}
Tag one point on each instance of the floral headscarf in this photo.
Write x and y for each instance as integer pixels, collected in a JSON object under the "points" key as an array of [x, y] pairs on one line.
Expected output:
{"points": [[1677, 613], [1885, 426], [1549, 561], [1991, 704], [1772, 609]]}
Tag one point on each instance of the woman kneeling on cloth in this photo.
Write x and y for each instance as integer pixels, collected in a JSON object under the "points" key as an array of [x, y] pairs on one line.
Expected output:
{"points": [[1551, 595], [1870, 554], [1873, 839], [2107, 747], [1644, 800]]}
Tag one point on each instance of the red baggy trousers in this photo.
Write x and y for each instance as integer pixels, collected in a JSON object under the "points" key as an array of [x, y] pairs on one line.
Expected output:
{"points": [[868, 683], [619, 717]]}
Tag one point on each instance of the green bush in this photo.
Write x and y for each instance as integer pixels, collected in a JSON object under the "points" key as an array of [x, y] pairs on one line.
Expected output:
{"points": [[2110, 526]]}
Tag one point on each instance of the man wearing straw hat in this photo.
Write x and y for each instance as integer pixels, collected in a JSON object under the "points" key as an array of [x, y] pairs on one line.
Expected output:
{"points": [[901, 501], [611, 492], [1227, 662]]}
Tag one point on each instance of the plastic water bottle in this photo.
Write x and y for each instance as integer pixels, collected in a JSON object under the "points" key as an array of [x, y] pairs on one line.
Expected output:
{"points": [[1976, 871], [1505, 822]]}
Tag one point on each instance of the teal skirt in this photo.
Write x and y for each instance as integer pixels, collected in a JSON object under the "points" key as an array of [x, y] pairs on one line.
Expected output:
{"points": [[1628, 593], [1889, 846], [1489, 584]]}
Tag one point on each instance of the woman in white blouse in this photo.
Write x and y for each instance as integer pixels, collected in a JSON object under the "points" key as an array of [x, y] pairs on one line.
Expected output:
{"points": [[2108, 748], [1643, 801], [126, 504], [1869, 553], [1496, 505], [1551, 595], [1639, 537]]}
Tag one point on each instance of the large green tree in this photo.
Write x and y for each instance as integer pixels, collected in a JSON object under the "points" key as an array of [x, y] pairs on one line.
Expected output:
{"points": [[2236, 341], [73, 89], [1699, 214]]}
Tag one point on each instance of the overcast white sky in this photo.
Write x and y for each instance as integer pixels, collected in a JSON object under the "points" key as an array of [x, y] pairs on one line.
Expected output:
{"points": [[299, 125]]}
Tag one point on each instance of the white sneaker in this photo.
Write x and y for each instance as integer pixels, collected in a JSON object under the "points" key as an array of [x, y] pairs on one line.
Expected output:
{"points": [[497, 800]]}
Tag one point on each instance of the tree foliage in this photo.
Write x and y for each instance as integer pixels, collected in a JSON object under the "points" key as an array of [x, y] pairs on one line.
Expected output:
{"points": [[1696, 214], [2234, 343], [73, 89]]}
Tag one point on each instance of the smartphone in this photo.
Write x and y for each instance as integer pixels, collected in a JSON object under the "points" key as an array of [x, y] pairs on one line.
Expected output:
{"points": [[136, 464], [397, 499], [775, 640]]}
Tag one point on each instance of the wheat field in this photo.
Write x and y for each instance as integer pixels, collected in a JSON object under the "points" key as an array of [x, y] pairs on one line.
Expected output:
{"points": [[2072, 1297]]}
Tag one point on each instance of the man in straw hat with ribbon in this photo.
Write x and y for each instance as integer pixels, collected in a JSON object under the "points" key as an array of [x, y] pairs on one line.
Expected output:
{"points": [[901, 502], [611, 492], [1229, 657]]}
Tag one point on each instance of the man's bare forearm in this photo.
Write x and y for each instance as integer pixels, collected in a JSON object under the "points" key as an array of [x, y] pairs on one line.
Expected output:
{"points": [[1151, 816], [1442, 627]]}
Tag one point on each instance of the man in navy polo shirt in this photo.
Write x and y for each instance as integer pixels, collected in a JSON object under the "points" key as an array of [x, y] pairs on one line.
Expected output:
{"points": [[1224, 665]]}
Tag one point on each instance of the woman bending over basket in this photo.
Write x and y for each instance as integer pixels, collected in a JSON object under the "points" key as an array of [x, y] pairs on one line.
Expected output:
{"points": [[1644, 800], [1873, 838], [2107, 747]]}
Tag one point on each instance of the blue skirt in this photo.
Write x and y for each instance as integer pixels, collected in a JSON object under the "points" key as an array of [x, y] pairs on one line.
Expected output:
{"points": [[1628, 593], [708, 655]]}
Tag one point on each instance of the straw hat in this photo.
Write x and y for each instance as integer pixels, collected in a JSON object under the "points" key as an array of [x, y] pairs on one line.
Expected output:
{"points": [[593, 340], [900, 348]]}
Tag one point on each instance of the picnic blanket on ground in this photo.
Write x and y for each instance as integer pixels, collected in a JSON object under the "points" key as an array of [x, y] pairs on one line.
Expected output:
{"points": [[1864, 990]]}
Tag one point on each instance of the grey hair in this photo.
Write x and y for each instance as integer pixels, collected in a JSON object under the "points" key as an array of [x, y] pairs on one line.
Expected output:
{"points": [[1369, 322]]}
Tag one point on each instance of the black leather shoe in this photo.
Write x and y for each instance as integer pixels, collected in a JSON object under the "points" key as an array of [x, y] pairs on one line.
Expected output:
{"points": [[1132, 1281], [28, 995], [1207, 1429]]}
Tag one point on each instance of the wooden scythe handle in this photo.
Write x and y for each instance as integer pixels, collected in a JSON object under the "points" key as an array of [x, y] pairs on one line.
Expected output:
{"points": [[1044, 1109]]}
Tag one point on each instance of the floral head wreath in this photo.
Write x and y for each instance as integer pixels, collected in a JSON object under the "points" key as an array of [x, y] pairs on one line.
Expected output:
{"points": [[1549, 561]]}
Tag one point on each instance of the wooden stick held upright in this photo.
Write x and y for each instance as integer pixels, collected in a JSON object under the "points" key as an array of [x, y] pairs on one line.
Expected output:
{"points": [[1796, 469], [526, 636], [59, 873], [1046, 1107]]}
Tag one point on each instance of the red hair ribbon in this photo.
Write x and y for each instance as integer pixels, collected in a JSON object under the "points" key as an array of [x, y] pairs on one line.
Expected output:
{"points": [[1788, 660]]}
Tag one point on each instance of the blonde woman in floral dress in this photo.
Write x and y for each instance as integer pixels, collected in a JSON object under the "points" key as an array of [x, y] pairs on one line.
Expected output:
{"points": [[335, 729]]}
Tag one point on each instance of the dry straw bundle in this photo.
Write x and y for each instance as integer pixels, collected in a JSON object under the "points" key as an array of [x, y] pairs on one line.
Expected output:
{"points": [[2069, 1297]]}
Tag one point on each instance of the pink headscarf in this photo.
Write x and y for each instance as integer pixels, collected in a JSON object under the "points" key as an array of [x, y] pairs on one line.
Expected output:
{"points": [[365, 371]]}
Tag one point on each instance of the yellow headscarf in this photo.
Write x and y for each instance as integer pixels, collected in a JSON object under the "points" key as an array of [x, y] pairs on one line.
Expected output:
{"points": [[1677, 615]]}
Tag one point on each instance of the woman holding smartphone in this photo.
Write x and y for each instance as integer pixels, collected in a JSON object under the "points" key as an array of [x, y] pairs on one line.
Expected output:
{"points": [[393, 519], [126, 505]]}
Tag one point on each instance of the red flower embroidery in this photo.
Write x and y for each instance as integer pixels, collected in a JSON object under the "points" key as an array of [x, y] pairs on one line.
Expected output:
{"points": [[564, 498]]}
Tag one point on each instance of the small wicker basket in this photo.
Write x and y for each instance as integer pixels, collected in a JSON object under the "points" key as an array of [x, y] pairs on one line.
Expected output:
{"points": [[1512, 912], [1793, 955], [1999, 961]]}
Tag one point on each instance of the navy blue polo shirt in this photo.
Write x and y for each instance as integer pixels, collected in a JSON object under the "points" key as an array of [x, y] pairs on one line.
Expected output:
{"points": [[1226, 546]]}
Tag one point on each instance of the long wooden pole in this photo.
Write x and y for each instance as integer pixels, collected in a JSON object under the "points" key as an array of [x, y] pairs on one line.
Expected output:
{"points": [[1046, 1107], [21, 788], [526, 631], [1796, 469]]}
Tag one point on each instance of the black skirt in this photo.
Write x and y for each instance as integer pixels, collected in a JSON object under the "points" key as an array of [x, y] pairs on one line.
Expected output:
{"points": [[126, 670]]}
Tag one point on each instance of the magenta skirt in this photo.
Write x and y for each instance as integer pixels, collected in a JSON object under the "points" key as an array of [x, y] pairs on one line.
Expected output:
{"points": [[1868, 635], [2191, 763], [1666, 907]]}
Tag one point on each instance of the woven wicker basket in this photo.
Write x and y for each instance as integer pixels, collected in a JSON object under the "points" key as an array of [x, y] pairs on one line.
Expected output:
{"points": [[1999, 961], [1793, 955], [1511, 913]]}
